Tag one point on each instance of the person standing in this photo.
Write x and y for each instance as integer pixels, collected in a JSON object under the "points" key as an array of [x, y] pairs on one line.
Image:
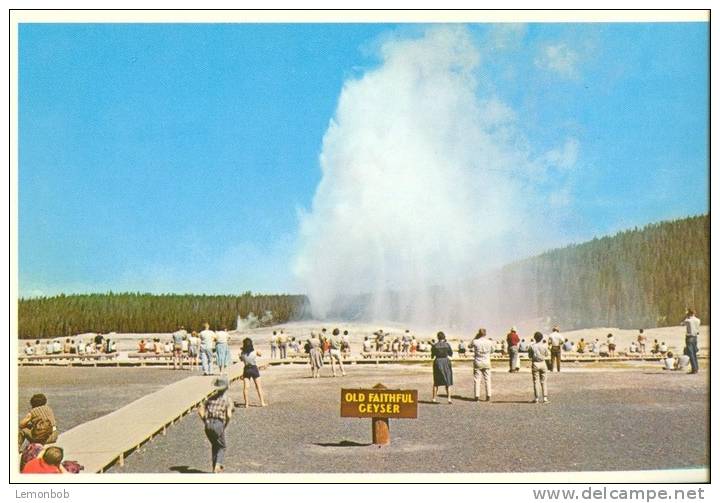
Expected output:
{"points": [[222, 350], [216, 412], [556, 342], [207, 339], [248, 356], [642, 341], [442, 368], [513, 344], [282, 344], [193, 349], [316, 357], [692, 331], [273, 345], [178, 337], [611, 345], [335, 354], [483, 348], [538, 353]]}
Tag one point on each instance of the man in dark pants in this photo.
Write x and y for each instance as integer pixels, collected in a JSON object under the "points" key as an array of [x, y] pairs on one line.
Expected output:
{"points": [[216, 412], [692, 330], [555, 342], [513, 343]]}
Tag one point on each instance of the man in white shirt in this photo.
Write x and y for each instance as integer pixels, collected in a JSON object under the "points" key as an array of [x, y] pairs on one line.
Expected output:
{"points": [[483, 348], [207, 338], [692, 330], [555, 341]]}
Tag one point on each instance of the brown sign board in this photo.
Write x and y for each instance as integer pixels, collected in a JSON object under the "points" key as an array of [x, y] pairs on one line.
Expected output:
{"points": [[374, 402]]}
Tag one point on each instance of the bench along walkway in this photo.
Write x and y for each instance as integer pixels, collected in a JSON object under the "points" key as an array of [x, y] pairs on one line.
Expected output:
{"points": [[102, 442]]}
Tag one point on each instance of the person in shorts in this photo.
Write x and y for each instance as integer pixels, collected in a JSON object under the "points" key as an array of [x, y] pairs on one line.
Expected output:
{"points": [[335, 353], [248, 356]]}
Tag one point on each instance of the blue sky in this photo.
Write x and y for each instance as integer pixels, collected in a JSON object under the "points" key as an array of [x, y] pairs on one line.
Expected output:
{"points": [[176, 158]]}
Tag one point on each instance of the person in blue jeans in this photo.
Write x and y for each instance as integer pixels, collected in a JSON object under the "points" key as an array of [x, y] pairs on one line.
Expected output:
{"points": [[207, 340], [692, 330], [216, 412]]}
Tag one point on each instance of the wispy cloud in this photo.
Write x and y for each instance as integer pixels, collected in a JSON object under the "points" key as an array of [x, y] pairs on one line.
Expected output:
{"points": [[558, 58], [564, 157]]}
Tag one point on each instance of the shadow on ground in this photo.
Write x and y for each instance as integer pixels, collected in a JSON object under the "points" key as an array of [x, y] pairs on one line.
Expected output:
{"points": [[343, 443], [185, 469]]}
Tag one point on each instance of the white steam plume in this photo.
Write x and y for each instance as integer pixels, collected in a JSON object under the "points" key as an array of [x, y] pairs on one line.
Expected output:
{"points": [[424, 188]]}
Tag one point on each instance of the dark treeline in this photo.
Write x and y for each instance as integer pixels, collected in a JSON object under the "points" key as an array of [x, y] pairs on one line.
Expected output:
{"points": [[64, 315], [636, 278]]}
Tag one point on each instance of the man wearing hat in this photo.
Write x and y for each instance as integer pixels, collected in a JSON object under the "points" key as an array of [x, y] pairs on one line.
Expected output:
{"points": [[513, 342], [216, 411]]}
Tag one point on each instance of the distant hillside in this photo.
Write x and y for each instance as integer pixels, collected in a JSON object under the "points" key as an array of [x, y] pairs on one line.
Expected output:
{"points": [[65, 315], [637, 278]]}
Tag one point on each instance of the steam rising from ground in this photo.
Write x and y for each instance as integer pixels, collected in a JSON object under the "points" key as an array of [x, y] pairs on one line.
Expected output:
{"points": [[426, 185]]}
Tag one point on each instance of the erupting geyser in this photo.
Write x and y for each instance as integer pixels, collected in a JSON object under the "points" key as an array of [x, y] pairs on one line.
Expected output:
{"points": [[427, 183]]}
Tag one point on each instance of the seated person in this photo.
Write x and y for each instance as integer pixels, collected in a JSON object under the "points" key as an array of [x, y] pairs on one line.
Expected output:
{"points": [[656, 347], [581, 346], [633, 347], [39, 425], [523, 346], [567, 345], [367, 345], [663, 348], [682, 362], [142, 348], [668, 362], [49, 461], [29, 350], [603, 349]]}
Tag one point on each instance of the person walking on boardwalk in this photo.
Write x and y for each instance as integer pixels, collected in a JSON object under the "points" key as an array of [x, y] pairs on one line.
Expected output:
{"points": [[216, 411], [483, 348], [39, 425], [538, 354], [335, 353], [207, 339], [513, 343], [178, 337], [692, 330], [222, 350], [442, 368], [556, 342], [248, 356]]}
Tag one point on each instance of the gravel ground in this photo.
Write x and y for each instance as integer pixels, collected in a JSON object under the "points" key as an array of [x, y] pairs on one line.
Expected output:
{"points": [[596, 420], [78, 395]]}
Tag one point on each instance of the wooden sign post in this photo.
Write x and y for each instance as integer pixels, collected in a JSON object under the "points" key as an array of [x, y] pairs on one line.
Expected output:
{"points": [[380, 404]]}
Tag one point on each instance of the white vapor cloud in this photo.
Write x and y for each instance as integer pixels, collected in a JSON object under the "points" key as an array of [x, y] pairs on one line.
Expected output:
{"points": [[558, 58], [424, 188]]}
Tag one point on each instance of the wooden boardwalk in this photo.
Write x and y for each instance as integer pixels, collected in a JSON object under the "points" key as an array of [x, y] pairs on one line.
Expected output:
{"points": [[102, 442]]}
